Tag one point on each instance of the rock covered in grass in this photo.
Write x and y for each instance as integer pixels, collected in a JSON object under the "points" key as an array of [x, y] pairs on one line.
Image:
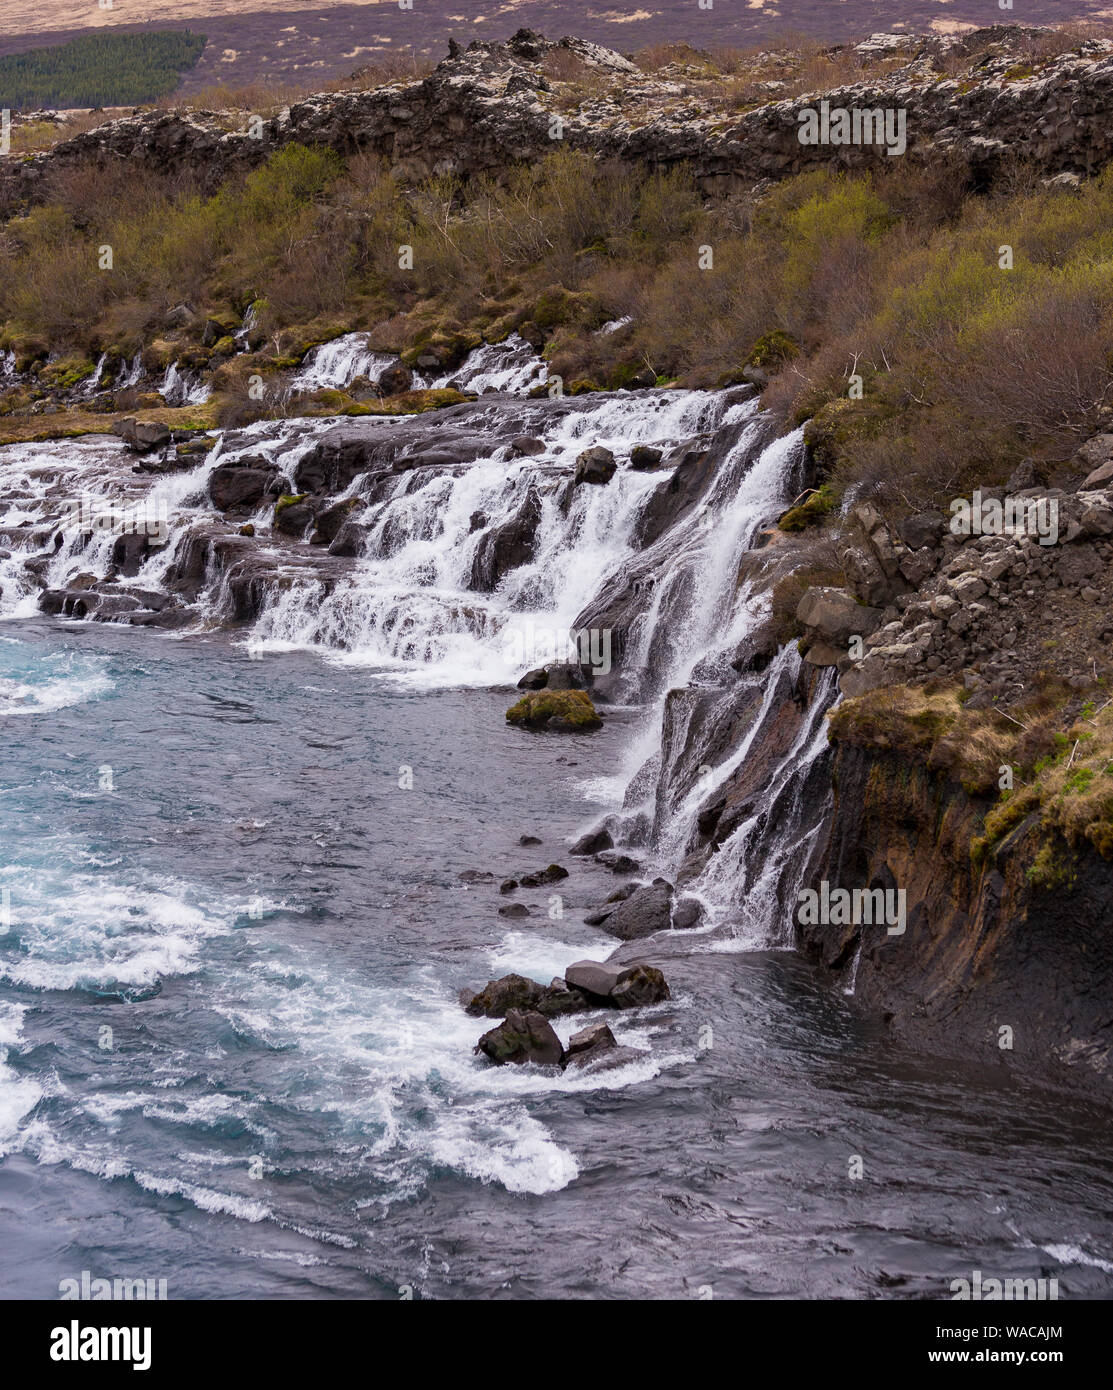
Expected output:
{"points": [[555, 709]]}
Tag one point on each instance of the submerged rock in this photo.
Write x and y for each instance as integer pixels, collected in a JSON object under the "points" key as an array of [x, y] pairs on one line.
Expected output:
{"points": [[553, 874]]}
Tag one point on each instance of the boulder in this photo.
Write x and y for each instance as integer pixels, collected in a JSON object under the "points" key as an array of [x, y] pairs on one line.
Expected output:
{"points": [[561, 675], [638, 986], [514, 910], [553, 874], [522, 1037], [349, 539], [1096, 458], [588, 1045], [293, 516], [332, 519], [593, 842], [645, 912], [925, 528], [534, 680], [643, 457], [234, 486], [396, 379], [497, 996], [524, 445], [594, 977], [142, 436], [595, 465], [834, 616], [687, 913], [619, 986], [569, 710]]}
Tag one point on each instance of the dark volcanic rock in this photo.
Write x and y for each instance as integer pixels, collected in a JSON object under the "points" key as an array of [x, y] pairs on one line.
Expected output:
{"points": [[588, 1045], [638, 986], [646, 911], [396, 379], [520, 1038], [595, 465], [594, 977], [507, 546], [142, 436], [687, 913], [592, 842], [238, 485], [511, 992], [643, 457], [553, 874]]}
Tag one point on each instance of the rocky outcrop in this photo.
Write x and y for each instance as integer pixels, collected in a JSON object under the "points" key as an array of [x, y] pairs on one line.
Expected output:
{"points": [[990, 965], [490, 106]]}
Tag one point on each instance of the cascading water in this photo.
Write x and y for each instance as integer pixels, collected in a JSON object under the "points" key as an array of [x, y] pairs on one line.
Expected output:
{"points": [[215, 862], [336, 364]]}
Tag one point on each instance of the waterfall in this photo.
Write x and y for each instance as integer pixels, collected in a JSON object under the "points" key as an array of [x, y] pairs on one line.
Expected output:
{"points": [[183, 388], [336, 364], [723, 784]]}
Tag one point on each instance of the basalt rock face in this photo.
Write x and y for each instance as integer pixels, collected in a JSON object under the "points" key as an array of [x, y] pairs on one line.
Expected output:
{"points": [[491, 105], [989, 966]]}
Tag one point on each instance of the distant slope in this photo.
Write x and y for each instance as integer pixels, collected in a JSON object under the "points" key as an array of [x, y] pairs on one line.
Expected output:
{"points": [[99, 70]]}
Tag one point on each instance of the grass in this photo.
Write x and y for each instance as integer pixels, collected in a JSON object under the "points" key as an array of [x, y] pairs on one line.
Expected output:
{"points": [[1060, 763]]}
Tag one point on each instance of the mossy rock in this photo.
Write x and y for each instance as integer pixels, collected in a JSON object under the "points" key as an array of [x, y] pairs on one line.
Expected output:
{"points": [[809, 512], [66, 372], [773, 349], [449, 347], [582, 386], [224, 347], [28, 350], [200, 444], [288, 499], [414, 402], [555, 709]]}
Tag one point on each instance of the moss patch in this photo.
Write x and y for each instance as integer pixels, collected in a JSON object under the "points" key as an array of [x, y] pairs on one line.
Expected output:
{"points": [[558, 709]]}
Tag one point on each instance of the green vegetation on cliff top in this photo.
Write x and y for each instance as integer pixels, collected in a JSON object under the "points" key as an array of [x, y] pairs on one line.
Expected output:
{"points": [[893, 277]]}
